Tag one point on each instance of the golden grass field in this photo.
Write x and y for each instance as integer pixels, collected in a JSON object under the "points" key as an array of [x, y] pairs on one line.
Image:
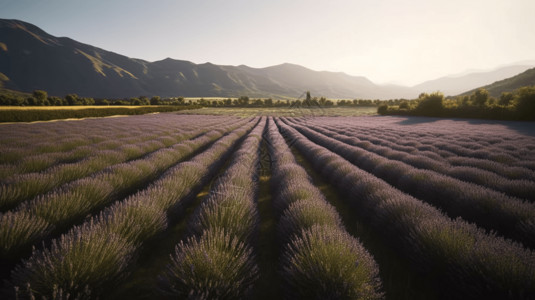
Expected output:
{"points": [[65, 107]]}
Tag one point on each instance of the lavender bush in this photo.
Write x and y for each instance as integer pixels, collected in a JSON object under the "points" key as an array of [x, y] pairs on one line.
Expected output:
{"points": [[319, 258], [217, 261], [463, 260], [98, 253]]}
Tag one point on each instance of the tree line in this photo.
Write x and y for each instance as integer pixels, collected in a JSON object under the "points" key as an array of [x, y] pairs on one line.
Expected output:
{"points": [[41, 98], [516, 105]]}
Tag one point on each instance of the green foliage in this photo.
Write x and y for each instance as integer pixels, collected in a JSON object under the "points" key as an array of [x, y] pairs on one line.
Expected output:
{"points": [[480, 97], [40, 95], [525, 103], [72, 99], [404, 105], [516, 105], [431, 104], [382, 109], [155, 100], [243, 100], [506, 98]]}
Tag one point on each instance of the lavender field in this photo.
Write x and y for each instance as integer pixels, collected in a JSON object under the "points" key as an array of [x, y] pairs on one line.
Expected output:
{"points": [[182, 206]]}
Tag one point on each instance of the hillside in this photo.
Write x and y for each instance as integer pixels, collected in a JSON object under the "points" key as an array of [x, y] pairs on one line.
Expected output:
{"points": [[32, 59], [495, 89], [454, 85]]}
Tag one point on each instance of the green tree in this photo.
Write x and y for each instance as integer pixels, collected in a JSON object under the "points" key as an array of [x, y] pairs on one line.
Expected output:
{"points": [[480, 97], [506, 98], [382, 109], [525, 102], [135, 101], [56, 101], [87, 101], [144, 100], [72, 99], [32, 101], [404, 105], [155, 100], [431, 104], [243, 100], [40, 95]]}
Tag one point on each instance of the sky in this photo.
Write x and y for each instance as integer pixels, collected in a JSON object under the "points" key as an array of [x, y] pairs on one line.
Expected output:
{"points": [[388, 41]]}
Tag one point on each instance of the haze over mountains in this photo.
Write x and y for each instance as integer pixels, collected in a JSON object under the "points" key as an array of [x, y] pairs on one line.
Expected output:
{"points": [[32, 59]]}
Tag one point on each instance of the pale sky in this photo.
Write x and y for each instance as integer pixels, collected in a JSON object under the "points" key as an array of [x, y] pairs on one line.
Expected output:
{"points": [[404, 42]]}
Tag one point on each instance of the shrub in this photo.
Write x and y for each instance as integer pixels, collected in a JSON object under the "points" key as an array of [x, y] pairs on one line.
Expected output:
{"points": [[491, 267], [216, 265], [231, 208], [18, 231], [303, 214], [325, 262], [525, 103], [431, 104], [85, 259], [382, 109], [134, 220]]}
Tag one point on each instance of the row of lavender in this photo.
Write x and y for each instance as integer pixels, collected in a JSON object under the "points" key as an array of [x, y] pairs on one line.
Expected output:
{"points": [[504, 151], [492, 147], [460, 137], [509, 216], [460, 258], [217, 261], [20, 187], [518, 187], [319, 260], [29, 148], [50, 214], [92, 257]]}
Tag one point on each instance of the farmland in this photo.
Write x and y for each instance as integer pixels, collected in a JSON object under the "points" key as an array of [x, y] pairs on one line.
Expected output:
{"points": [[300, 204]]}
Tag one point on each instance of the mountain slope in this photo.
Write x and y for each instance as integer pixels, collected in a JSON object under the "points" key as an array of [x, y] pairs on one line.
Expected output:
{"points": [[453, 85], [32, 59], [495, 89]]}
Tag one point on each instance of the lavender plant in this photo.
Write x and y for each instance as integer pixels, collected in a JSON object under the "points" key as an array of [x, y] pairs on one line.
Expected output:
{"points": [[215, 266], [97, 254], [217, 261], [464, 260], [80, 198], [325, 262], [319, 259], [488, 208]]}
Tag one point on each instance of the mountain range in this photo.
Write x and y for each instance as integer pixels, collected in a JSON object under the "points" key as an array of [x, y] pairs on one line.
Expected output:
{"points": [[526, 78], [32, 59]]}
